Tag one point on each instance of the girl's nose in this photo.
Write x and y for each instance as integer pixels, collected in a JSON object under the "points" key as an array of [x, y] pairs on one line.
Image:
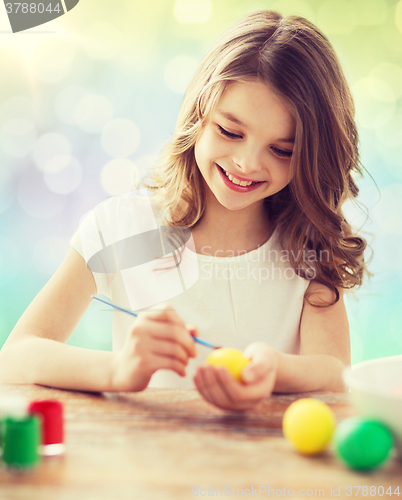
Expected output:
{"points": [[250, 160]]}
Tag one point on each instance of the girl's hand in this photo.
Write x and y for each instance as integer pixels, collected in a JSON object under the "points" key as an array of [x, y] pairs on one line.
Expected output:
{"points": [[156, 341], [221, 389]]}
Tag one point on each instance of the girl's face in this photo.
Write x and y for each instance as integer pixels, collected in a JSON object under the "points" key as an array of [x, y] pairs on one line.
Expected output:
{"points": [[245, 148]]}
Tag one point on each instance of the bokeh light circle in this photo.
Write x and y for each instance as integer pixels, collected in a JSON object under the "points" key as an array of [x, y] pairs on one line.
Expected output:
{"points": [[57, 163], [103, 41], [93, 112], [17, 137], [141, 54], [145, 163], [398, 16], [390, 73], [66, 102], [119, 176], [392, 37], [192, 11], [389, 145], [49, 145], [375, 102], [179, 72], [120, 138], [35, 198], [384, 249], [68, 178], [52, 61], [18, 107], [388, 212], [336, 17], [370, 13]]}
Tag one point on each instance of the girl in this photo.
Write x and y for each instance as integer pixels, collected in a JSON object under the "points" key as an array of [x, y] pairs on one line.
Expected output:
{"points": [[258, 169]]}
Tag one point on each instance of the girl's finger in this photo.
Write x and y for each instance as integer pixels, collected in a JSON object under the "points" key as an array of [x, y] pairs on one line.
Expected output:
{"points": [[160, 362], [199, 381], [202, 385], [214, 391], [255, 371], [237, 394], [166, 313], [169, 349], [219, 387], [224, 392], [263, 359], [245, 396], [227, 403], [173, 333]]}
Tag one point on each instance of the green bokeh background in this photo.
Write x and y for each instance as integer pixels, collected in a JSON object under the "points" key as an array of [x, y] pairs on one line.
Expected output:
{"points": [[131, 61]]}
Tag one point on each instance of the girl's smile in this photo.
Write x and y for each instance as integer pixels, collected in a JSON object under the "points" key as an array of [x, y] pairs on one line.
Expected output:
{"points": [[237, 183]]}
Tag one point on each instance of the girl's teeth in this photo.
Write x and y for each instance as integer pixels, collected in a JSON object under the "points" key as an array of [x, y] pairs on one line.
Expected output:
{"points": [[239, 183]]}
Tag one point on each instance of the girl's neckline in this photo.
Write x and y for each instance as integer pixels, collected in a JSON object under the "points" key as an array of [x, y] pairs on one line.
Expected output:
{"points": [[227, 258], [231, 258]]}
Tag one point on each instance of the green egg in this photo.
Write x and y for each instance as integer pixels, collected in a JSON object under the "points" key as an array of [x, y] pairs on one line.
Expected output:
{"points": [[363, 444]]}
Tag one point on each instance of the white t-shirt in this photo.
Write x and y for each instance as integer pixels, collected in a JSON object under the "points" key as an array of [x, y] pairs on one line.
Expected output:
{"points": [[233, 301]]}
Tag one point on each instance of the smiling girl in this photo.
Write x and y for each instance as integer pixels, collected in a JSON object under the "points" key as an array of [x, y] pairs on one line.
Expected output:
{"points": [[258, 169]]}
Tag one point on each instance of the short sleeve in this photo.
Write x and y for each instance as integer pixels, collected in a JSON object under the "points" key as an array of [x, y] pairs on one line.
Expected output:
{"points": [[127, 252], [102, 280], [104, 229]]}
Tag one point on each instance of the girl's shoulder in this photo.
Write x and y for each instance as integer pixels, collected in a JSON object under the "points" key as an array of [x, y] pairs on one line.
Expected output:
{"points": [[122, 216], [133, 203]]}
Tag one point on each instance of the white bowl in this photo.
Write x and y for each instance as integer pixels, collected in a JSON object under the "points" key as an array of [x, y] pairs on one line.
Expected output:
{"points": [[373, 392]]}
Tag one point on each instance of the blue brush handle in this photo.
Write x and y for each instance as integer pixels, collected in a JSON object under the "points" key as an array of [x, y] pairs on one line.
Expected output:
{"points": [[111, 304]]}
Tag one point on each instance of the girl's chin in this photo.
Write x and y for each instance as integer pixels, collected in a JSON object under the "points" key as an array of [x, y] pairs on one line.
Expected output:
{"points": [[233, 205]]}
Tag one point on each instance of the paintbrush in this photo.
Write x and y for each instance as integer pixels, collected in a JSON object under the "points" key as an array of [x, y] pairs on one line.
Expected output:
{"points": [[115, 306]]}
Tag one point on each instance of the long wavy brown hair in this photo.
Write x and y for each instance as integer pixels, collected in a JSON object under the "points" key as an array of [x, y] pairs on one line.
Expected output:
{"points": [[298, 63]]}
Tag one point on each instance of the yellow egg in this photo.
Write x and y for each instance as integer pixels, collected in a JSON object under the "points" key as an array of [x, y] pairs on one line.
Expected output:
{"points": [[232, 359], [309, 425]]}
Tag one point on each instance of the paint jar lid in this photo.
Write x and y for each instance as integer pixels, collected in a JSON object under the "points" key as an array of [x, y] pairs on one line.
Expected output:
{"points": [[13, 406], [51, 412], [21, 439]]}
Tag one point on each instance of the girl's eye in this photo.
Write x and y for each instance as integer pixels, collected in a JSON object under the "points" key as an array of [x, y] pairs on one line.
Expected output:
{"points": [[278, 151], [282, 152], [228, 134]]}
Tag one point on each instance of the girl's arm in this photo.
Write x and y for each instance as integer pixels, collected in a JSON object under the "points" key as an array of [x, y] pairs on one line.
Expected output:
{"points": [[325, 346], [36, 353]]}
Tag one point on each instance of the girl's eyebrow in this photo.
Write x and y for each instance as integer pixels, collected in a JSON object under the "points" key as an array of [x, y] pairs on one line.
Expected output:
{"points": [[230, 117], [233, 119]]}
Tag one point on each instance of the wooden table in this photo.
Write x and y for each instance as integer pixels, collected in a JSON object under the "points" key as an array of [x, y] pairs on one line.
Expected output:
{"points": [[170, 444]]}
